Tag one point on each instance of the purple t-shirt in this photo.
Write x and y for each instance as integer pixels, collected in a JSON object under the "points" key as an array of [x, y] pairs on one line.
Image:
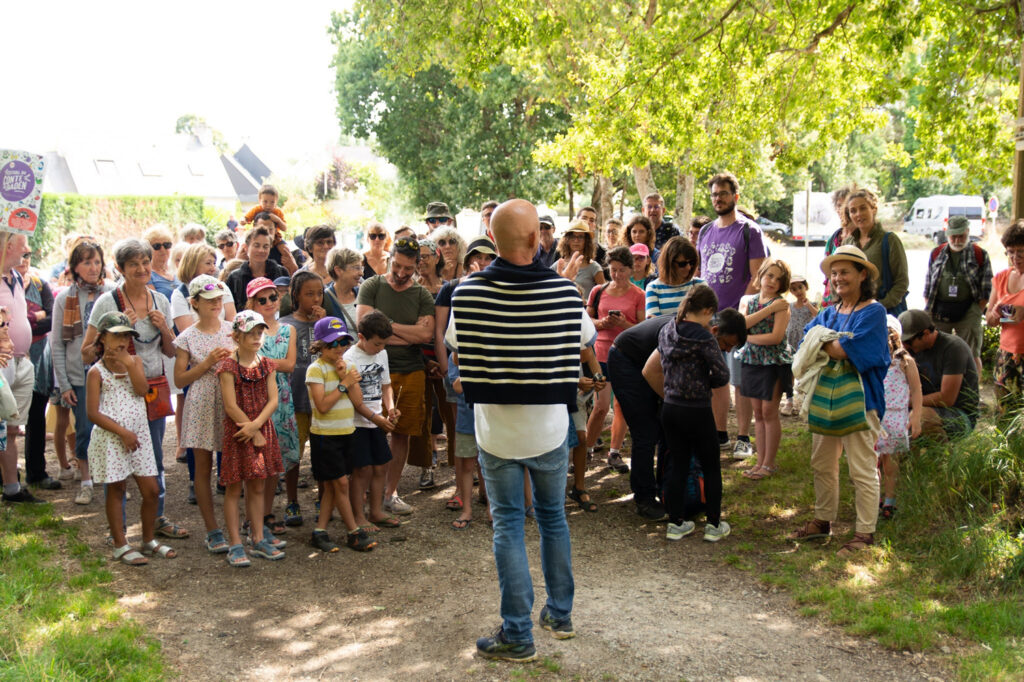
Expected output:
{"points": [[723, 259]]}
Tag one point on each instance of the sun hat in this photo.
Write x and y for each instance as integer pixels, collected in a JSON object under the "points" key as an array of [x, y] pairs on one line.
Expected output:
{"points": [[577, 226], [257, 285], [116, 323], [330, 329], [640, 250], [851, 253], [205, 286], [914, 322], [438, 209], [247, 320]]}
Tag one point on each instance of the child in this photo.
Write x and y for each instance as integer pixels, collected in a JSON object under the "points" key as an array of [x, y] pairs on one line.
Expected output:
{"points": [[251, 453], [684, 370], [279, 346], [329, 379], [268, 203], [120, 445], [902, 388], [766, 361], [200, 348], [307, 293], [370, 451], [465, 452], [586, 387], [801, 312]]}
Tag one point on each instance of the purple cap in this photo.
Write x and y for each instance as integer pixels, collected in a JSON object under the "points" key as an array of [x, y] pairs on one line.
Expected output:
{"points": [[330, 329]]}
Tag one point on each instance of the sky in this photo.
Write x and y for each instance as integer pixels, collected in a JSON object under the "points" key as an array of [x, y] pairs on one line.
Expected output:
{"points": [[257, 71]]}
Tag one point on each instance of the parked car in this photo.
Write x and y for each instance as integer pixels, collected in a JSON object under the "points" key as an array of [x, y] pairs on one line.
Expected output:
{"points": [[930, 215], [778, 231]]}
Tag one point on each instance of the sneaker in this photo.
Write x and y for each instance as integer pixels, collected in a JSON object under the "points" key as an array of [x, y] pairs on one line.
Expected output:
{"points": [[23, 495], [498, 648], [360, 541], [48, 483], [742, 449], [561, 629], [66, 474], [716, 533], [651, 510], [84, 495], [674, 532], [427, 479], [395, 505], [616, 464], [292, 514], [787, 408], [725, 445], [191, 494], [322, 541]]}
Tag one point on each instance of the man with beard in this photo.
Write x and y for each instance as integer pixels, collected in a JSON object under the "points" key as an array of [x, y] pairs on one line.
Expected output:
{"points": [[410, 307], [731, 249], [654, 210], [958, 286]]}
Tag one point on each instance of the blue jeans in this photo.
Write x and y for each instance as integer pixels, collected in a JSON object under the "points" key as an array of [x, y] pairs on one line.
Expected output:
{"points": [[83, 427], [504, 479]]}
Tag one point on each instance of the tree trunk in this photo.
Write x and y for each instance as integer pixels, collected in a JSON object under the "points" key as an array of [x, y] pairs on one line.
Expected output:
{"points": [[568, 186], [684, 200], [1017, 209], [644, 179], [601, 199]]}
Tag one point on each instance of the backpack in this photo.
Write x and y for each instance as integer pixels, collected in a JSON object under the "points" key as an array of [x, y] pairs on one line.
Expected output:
{"points": [[597, 296], [979, 254]]}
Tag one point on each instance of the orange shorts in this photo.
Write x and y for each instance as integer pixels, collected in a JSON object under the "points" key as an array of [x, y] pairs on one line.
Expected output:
{"points": [[410, 393]]}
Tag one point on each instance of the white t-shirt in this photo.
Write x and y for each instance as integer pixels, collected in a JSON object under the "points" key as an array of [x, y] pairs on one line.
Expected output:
{"points": [[374, 375], [521, 431]]}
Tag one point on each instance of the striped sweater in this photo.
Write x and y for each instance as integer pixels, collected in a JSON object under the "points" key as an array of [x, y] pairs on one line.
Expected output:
{"points": [[518, 333]]}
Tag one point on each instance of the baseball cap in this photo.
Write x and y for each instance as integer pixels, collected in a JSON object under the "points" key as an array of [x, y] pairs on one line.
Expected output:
{"points": [[894, 324], [206, 286], [282, 281], [797, 278], [957, 226], [547, 220], [247, 320], [116, 323], [330, 329], [914, 322], [257, 285], [640, 250]]}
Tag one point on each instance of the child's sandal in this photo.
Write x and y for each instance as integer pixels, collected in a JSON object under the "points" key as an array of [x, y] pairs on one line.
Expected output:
{"points": [[154, 547], [168, 529], [276, 527], [129, 556], [236, 557], [215, 542]]}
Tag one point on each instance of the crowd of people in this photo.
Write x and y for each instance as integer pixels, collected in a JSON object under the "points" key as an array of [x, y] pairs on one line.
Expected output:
{"points": [[502, 356]]}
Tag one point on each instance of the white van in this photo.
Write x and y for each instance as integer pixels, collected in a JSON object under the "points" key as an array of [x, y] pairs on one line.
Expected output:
{"points": [[929, 215], [819, 225]]}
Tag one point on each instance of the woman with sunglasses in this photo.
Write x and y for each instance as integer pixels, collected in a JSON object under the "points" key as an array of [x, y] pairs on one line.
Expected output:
{"points": [[452, 247], [319, 240], [161, 241], [376, 259], [676, 265]]}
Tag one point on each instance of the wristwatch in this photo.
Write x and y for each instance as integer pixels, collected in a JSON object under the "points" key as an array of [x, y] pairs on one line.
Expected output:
{"points": [[599, 377]]}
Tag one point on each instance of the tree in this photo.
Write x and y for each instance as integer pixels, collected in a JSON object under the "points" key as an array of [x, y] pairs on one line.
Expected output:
{"points": [[197, 125], [449, 142]]}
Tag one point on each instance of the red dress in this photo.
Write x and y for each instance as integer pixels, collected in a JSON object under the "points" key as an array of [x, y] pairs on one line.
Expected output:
{"points": [[243, 461]]}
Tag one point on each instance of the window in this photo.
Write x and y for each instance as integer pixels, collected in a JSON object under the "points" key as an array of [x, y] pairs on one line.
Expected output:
{"points": [[150, 168], [919, 214], [106, 168]]}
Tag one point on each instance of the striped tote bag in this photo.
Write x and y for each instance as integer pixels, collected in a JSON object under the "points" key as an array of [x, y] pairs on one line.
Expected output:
{"points": [[837, 405]]}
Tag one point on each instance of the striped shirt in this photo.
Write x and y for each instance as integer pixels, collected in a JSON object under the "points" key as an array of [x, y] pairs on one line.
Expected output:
{"points": [[340, 419], [664, 299]]}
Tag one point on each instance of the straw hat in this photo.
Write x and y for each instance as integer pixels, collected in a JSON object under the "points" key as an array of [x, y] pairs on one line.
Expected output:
{"points": [[851, 253]]}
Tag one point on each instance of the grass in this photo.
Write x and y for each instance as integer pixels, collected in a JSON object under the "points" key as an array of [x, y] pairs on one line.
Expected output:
{"points": [[945, 576], [59, 620]]}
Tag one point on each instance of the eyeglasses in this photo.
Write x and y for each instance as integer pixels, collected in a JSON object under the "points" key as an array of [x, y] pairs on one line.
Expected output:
{"points": [[447, 242], [408, 243], [324, 242], [435, 221], [376, 235], [162, 245], [486, 216], [263, 300], [1014, 253], [720, 195], [224, 245], [575, 235], [683, 263]]}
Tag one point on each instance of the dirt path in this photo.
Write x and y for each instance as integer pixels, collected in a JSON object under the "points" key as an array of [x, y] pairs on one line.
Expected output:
{"points": [[645, 609]]}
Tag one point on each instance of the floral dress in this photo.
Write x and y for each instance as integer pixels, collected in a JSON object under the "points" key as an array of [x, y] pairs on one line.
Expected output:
{"points": [[243, 461], [753, 354], [893, 438], [202, 419], [275, 347], [109, 460], [799, 316]]}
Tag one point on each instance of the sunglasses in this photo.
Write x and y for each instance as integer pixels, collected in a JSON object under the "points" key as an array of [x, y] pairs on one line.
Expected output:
{"points": [[376, 235], [338, 343], [162, 245], [683, 263], [224, 245], [435, 221], [546, 228], [408, 243], [446, 242], [263, 300]]}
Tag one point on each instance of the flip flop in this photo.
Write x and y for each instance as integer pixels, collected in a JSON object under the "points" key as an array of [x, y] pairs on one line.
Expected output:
{"points": [[763, 472], [461, 524], [454, 504], [752, 472], [387, 522]]}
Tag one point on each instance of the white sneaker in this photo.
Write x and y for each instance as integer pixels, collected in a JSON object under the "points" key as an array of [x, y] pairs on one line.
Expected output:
{"points": [[742, 449], [716, 533], [395, 505], [66, 474], [674, 532], [84, 495], [787, 408]]}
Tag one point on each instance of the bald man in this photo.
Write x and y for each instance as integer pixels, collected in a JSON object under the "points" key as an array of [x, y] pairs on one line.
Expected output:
{"points": [[521, 399]]}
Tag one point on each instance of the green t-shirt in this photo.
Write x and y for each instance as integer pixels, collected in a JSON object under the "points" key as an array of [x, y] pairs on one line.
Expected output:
{"points": [[401, 307]]}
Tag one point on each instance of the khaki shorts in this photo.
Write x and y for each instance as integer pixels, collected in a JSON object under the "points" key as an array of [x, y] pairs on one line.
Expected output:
{"points": [[410, 393], [20, 374]]}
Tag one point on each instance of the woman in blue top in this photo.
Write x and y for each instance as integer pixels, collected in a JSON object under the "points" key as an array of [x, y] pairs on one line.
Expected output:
{"points": [[851, 279]]}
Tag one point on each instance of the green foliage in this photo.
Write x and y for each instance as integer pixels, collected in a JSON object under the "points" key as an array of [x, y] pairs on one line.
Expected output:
{"points": [[197, 125], [108, 218]]}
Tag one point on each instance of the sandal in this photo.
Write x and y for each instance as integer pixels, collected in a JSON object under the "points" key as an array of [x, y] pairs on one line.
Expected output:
{"points": [[811, 530], [276, 527], [750, 473], [454, 504], [215, 542], [858, 542], [461, 524], [577, 496], [369, 528], [237, 558], [129, 556], [765, 472], [388, 521], [168, 529], [153, 547], [265, 550], [888, 511]]}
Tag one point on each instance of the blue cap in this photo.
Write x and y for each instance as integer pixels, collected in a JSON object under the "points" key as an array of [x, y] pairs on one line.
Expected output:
{"points": [[283, 281]]}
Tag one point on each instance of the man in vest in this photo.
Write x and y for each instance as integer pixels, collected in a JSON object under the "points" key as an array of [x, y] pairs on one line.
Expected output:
{"points": [[520, 397]]}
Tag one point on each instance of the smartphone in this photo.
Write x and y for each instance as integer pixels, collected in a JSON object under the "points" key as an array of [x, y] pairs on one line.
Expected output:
{"points": [[1007, 312], [615, 312]]}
